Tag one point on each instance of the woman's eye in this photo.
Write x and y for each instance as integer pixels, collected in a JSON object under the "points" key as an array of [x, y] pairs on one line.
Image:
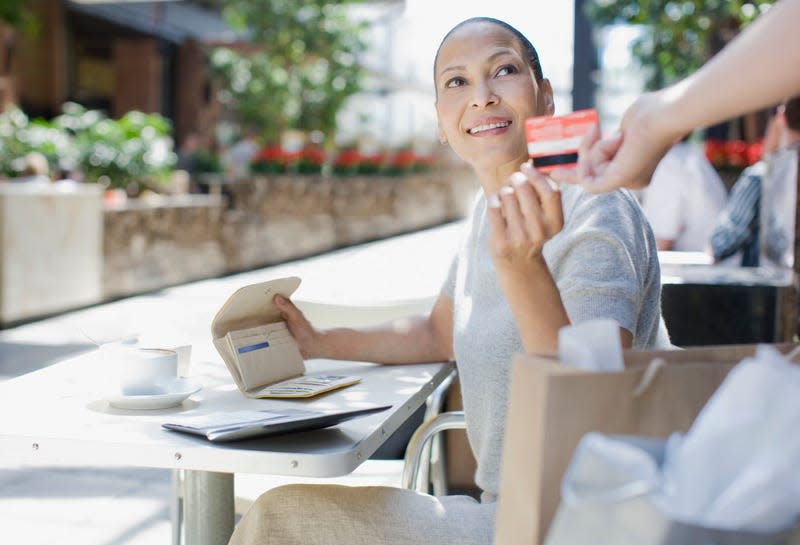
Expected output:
{"points": [[454, 82], [506, 70]]}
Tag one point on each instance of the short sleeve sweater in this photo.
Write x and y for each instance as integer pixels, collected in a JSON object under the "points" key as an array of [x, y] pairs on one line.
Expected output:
{"points": [[605, 264]]}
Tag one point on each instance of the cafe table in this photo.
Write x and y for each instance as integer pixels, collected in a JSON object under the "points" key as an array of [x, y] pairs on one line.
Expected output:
{"points": [[712, 304], [59, 416]]}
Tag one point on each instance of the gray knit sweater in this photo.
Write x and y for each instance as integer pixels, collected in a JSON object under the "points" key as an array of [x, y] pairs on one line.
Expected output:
{"points": [[605, 264]]}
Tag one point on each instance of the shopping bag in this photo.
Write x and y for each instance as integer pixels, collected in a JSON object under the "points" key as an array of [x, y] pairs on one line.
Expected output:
{"points": [[601, 510], [552, 405]]}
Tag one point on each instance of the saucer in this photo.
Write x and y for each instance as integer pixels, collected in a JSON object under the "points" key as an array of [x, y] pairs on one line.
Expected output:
{"points": [[171, 395]]}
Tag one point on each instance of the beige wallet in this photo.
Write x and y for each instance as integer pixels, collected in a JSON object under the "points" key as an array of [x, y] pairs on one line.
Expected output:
{"points": [[258, 348]]}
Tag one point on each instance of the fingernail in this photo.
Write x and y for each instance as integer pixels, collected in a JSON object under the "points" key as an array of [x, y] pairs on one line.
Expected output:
{"points": [[527, 167], [506, 190], [518, 178], [493, 200]]}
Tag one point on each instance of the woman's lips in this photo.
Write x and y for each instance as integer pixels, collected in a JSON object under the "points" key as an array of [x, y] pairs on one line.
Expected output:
{"points": [[489, 127]]}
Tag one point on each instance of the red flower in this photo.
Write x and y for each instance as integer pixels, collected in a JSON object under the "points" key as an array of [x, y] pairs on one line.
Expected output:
{"points": [[348, 158], [314, 155], [404, 159], [754, 152], [715, 152], [269, 154], [736, 151]]}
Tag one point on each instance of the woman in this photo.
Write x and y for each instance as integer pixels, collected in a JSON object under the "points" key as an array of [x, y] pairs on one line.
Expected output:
{"points": [[507, 291]]}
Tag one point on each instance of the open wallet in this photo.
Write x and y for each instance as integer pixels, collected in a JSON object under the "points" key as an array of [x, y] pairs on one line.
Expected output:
{"points": [[259, 350]]}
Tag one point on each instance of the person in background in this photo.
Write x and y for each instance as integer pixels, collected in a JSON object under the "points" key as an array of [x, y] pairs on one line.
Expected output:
{"points": [[683, 199], [239, 156], [738, 226], [533, 260], [187, 153], [185, 175], [755, 70]]}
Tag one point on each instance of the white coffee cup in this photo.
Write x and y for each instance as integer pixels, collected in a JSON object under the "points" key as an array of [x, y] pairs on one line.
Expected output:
{"points": [[146, 371]]}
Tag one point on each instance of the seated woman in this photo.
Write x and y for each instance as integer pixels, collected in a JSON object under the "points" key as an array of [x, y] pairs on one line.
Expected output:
{"points": [[518, 277]]}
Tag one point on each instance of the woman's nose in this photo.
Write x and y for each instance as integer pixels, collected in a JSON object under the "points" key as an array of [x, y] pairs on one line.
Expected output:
{"points": [[484, 95]]}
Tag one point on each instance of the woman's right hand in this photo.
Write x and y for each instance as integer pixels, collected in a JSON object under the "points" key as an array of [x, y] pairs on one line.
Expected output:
{"points": [[308, 339]]}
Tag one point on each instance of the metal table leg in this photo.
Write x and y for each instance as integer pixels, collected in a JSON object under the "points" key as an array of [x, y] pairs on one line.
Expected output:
{"points": [[208, 507]]}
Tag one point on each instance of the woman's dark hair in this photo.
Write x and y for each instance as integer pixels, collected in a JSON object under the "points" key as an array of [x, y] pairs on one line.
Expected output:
{"points": [[533, 56]]}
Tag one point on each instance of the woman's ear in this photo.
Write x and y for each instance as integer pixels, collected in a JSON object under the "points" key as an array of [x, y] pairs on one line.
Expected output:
{"points": [[442, 135], [546, 97]]}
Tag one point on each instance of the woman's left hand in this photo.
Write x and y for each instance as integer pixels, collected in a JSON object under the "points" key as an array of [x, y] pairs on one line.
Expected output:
{"points": [[522, 217]]}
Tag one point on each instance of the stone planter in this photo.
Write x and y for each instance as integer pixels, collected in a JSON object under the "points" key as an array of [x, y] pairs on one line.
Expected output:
{"points": [[51, 256], [150, 246]]}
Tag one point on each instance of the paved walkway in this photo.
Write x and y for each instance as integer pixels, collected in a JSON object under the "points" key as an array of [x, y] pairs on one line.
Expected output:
{"points": [[90, 506]]}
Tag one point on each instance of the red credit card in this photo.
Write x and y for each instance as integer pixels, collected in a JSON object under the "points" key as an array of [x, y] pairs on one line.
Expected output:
{"points": [[553, 140]]}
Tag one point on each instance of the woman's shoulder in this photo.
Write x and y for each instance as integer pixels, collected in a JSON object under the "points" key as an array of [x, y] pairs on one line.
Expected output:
{"points": [[579, 203]]}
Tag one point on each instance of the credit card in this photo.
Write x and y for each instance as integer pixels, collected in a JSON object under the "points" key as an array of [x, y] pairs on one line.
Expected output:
{"points": [[553, 141]]}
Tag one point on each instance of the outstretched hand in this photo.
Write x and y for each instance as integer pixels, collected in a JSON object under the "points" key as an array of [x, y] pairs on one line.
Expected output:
{"points": [[629, 156], [522, 217], [307, 338]]}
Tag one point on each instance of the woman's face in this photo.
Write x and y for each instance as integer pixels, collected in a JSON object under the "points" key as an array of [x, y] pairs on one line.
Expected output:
{"points": [[485, 91]]}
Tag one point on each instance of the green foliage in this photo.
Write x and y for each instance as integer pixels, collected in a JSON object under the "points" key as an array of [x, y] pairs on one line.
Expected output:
{"points": [[679, 36], [134, 149], [205, 161], [16, 14], [303, 68], [19, 136]]}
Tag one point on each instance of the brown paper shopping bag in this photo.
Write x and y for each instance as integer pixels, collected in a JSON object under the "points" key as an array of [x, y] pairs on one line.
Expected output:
{"points": [[551, 406]]}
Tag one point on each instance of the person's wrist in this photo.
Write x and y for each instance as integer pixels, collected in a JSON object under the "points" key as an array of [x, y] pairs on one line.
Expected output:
{"points": [[673, 115], [318, 347], [509, 269]]}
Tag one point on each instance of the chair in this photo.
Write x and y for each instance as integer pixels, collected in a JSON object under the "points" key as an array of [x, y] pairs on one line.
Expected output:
{"points": [[428, 462]]}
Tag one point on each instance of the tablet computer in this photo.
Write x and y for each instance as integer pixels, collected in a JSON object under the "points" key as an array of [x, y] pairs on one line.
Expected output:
{"points": [[250, 424]]}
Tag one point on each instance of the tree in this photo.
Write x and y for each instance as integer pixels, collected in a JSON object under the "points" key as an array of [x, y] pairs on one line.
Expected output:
{"points": [[15, 14], [300, 66], [679, 36]]}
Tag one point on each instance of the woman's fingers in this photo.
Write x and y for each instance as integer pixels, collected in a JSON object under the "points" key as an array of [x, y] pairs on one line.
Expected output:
{"points": [[288, 309], [524, 214], [546, 206], [594, 156], [586, 168], [497, 224], [516, 220], [299, 326]]}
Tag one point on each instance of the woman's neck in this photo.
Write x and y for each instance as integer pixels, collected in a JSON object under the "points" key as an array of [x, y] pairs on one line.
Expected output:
{"points": [[493, 178]]}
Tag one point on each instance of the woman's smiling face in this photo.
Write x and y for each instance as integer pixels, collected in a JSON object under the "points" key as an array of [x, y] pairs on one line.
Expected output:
{"points": [[485, 90]]}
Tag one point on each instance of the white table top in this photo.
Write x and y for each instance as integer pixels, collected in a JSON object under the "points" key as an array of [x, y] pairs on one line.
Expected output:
{"points": [[58, 416]]}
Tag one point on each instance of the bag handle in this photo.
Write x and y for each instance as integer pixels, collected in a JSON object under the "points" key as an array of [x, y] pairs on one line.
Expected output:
{"points": [[649, 376]]}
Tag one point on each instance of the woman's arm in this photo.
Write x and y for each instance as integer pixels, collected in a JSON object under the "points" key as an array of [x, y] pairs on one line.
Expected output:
{"points": [[522, 218], [757, 69], [416, 339]]}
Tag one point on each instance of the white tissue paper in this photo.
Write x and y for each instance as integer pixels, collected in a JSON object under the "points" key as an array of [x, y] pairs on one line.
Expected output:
{"points": [[606, 469], [594, 345], [738, 467]]}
